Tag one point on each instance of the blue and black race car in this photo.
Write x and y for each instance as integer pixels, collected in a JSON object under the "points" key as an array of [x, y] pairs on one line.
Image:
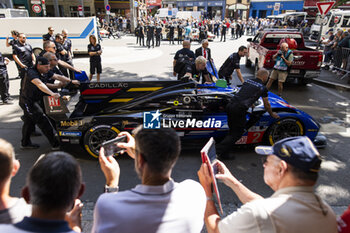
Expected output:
{"points": [[195, 111]]}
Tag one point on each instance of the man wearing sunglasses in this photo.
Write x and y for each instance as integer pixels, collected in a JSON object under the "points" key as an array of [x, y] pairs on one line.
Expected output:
{"points": [[23, 55], [50, 46], [291, 169], [49, 36]]}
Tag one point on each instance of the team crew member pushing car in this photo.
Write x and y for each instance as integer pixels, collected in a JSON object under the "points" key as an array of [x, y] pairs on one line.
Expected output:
{"points": [[30, 101], [231, 64], [95, 52], [197, 71], [182, 56], [250, 92]]}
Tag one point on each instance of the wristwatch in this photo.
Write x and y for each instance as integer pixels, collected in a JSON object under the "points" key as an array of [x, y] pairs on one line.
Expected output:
{"points": [[111, 189]]}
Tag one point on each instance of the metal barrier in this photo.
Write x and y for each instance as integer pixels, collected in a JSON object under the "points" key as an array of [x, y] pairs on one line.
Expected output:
{"points": [[342, 61]]}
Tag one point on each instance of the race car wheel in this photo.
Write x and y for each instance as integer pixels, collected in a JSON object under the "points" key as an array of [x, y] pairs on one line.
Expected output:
{"points": [[284, 128], [96, 135]]}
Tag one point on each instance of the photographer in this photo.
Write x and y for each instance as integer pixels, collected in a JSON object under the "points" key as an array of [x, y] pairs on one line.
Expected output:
{"points": [[158, 204], [284, 59]]}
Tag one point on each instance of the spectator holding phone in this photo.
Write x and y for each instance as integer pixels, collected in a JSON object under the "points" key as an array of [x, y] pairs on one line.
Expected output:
{"points": [[158, 204], [291, 169]]}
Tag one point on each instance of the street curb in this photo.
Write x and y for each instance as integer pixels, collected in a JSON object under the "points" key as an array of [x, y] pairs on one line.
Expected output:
{"points": [[331, 84]]}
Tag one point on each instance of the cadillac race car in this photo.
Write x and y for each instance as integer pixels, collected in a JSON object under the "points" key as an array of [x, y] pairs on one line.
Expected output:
{"points": [[104, 109]]}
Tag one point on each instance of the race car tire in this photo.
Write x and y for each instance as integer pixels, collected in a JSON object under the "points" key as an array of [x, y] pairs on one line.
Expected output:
{"points": [[283, 128], [248, 63], [96, 135]]}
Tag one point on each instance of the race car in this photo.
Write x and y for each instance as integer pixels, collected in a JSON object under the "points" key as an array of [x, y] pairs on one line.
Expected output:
{"points": [[194, 111]]}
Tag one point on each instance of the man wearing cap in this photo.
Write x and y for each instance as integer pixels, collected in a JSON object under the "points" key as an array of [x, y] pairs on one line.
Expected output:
{"points": [[291, 170], [30, 100]]}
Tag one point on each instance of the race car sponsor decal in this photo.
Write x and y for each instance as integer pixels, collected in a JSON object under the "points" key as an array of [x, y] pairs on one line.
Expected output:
{"points": [[155, 120], [191, 123], [108, 85], [71, 123], [120, 100], [285, 104], [106, 91], [144, 89], [53, 102], [70, 133]]}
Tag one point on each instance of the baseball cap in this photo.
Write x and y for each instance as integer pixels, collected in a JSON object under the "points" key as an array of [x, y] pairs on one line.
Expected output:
{"points": [[299, 152], [42, 61]]}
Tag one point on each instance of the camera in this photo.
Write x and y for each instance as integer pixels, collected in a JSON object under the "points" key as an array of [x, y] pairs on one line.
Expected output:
{"points": [[110, 146], [279, 52]]}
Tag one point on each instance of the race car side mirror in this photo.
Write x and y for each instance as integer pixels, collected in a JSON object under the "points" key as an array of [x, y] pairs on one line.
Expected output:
{"points": [[249, 39]]}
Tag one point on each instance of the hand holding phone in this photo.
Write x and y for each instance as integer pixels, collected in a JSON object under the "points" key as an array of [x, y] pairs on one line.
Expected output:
{"points": [[111, 147]]}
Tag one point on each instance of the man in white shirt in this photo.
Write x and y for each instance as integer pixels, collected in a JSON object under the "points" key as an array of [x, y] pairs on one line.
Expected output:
{"points": [[291, 170], [158, 204], [12, 209]]}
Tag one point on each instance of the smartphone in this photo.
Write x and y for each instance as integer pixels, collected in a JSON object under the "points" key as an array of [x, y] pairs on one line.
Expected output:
{"points": [[110, 146]]}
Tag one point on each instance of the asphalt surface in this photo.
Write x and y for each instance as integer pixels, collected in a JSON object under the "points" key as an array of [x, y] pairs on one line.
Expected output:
{"points": [[123, 60]]}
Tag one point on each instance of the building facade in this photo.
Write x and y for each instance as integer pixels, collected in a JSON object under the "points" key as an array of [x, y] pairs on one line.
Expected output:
{"points": [[213, 9], [263, 8]]}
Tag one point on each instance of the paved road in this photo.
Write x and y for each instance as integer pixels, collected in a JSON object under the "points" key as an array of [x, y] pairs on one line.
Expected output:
{"points": [[122, 59]]}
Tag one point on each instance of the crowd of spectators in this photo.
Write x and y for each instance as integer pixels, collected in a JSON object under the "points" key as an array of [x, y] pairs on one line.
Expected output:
{"points": [[50, 198], [337, 51]]}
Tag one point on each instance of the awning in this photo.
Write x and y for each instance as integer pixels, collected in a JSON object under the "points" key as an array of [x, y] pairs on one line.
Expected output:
{"points": [[238, 6]]}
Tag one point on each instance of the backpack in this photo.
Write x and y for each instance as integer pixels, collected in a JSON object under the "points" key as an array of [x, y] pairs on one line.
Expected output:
{"points": [[181, 63]]}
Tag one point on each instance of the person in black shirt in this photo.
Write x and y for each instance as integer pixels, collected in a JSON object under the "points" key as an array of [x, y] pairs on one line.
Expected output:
{"points": [[184, 53], [150, 35], [50, 46], [14, 41], [158, 34], [49, 36], [56, 74], [216, 28], [4, 80], [236, 109], [179, 32], [23, 55], [142, 34], [11, 43], [137, 32], [223, 31], [231, 64], [197, 71], [67, 45], [95, 51], [110, 29], [30, 100], [171, 32], [61, 53], [202, 33]]}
